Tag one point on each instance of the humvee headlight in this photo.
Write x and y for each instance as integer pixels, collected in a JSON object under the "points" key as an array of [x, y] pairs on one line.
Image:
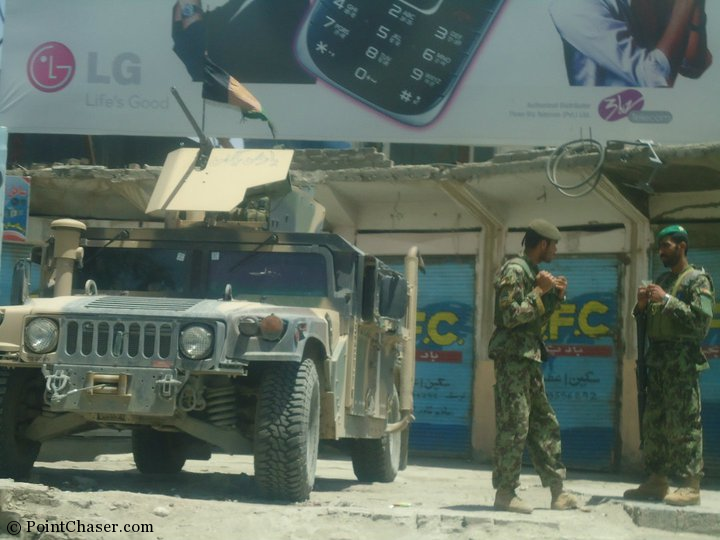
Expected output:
{"points": [[272, 328], [41, 335], [196, 342]]}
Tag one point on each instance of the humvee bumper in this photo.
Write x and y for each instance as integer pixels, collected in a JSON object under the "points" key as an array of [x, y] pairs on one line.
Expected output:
{"points": [[95, 390]]}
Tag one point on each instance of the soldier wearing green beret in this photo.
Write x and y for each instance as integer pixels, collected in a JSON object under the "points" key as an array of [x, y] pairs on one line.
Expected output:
{"points": [[678, 309], [525, 297]]}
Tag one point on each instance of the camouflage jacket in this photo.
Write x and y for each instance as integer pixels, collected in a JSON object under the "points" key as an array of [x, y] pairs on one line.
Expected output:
{"points": [[520, 313], [687, 314]]}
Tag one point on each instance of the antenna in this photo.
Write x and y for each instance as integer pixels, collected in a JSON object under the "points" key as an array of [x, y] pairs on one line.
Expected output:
{"points": [[206, 145]]}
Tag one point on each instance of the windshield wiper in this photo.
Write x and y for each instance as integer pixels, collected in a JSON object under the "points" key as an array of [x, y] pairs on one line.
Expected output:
{"points": [[122, 235], [272, 239]]}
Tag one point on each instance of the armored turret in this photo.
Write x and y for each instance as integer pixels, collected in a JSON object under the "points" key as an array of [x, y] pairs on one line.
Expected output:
{"points": [[248, 188]]}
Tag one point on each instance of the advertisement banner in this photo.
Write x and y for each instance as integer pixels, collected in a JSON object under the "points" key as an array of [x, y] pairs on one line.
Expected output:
{"points": [[481, 72], [17, 209], [3, 163], [2, 27]]}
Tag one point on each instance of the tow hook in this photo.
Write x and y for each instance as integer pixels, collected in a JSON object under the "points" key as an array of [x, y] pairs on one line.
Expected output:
{"points": [[167, 387], [56, 382]]}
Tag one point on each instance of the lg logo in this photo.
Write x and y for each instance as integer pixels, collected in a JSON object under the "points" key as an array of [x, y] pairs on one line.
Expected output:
{"points": [[51, 67]]}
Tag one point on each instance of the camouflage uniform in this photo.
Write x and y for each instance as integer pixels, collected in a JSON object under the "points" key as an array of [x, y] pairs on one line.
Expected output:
{"points": [[675, 329], [522, 411]]}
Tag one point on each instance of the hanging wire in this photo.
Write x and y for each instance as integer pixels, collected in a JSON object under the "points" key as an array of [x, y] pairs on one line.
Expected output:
{"points": [[589, 147], [578, 147]]}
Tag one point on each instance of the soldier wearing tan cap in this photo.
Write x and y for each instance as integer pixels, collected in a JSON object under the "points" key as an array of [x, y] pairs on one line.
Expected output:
{"points": [[525, 297]]}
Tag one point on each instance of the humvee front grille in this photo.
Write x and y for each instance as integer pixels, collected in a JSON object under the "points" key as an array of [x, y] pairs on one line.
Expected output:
{"points": [[119, 339]]}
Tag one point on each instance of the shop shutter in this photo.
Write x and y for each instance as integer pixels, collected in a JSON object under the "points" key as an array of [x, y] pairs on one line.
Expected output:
{"points": [[445, 357], [12, 253], [710, 379], [581, 376]]}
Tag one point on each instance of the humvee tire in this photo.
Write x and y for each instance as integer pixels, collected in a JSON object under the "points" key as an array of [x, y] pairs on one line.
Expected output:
{"points": [[287, 431], [158, 452], [378, 460], [21, 401]]}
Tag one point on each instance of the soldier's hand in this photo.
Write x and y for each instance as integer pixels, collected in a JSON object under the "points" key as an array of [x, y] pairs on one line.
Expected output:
{"points": [[655, 293], [544, 280], [560, 283], [642, 297]]}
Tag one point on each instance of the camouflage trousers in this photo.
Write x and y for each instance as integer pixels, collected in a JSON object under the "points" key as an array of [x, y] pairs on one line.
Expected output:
{"points": [[672, 430], [523, 416]]}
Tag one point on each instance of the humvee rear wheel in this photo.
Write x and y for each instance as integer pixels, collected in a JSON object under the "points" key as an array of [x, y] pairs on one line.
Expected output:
{"points": [[378, 460], [21, 401], [287, 431], [158, 452]]}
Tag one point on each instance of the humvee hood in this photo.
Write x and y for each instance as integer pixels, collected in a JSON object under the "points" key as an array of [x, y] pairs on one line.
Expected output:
{"points": [[151, 306]]}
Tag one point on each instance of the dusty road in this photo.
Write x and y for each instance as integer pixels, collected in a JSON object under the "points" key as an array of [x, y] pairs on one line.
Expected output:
{"points": [[432, 499]]}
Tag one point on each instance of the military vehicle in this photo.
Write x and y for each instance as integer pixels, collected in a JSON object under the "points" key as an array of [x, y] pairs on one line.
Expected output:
{"points": [[232, 327]]}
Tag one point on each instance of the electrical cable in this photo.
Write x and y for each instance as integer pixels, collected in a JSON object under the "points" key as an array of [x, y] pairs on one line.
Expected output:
{"points": [[576, 147]]}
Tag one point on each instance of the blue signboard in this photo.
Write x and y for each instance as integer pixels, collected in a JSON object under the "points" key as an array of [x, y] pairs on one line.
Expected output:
{"points": [[445, 357], [17, 209], [581, 374]]}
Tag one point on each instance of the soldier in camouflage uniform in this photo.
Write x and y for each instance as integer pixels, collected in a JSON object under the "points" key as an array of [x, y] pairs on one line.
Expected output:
{"points": [[525, 297], [678, 309]]}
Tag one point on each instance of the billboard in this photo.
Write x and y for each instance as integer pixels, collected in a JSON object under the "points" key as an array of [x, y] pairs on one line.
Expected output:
{"points": [[482, 72]]}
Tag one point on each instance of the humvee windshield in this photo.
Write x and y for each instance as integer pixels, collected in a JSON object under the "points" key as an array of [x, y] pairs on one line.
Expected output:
{"points": [[269, 273], [171, 272], [137, 269]]}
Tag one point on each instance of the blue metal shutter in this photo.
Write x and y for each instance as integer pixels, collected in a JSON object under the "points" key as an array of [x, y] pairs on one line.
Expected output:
{"points": [[710, 379], [581, 375], [445, 357], [11, 253]]}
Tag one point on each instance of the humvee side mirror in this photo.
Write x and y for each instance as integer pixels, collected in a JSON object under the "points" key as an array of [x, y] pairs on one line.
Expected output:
{"points": [[393, 296], [36, 255], [20, 287], [384, 293]]}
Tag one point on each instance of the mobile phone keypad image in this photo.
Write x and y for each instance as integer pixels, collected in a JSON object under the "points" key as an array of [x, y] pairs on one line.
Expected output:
{"points": [[402, 57]]}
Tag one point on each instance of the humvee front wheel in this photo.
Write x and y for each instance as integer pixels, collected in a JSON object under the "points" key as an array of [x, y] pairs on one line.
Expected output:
{"points": [[378, 460], [287, 431], [21, 401], [158, 452]]}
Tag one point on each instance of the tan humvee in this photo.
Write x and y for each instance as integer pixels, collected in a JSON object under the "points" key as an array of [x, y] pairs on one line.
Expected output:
{"points": [[226, 330]]}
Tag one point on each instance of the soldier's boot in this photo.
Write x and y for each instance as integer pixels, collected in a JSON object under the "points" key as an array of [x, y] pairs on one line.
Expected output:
{"points": [[508, 501], [686, 495], [653, 489], [561, 499]]}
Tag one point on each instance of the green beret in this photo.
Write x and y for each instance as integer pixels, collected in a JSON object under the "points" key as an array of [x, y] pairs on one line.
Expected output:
{"points": [[545, 229], [674, 230]]}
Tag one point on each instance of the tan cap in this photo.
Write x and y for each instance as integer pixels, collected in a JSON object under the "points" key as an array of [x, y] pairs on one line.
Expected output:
{"points": [[545, 229]]}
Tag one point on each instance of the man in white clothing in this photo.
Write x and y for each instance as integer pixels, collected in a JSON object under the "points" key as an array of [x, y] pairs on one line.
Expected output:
{"points": [[632, 42]]}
